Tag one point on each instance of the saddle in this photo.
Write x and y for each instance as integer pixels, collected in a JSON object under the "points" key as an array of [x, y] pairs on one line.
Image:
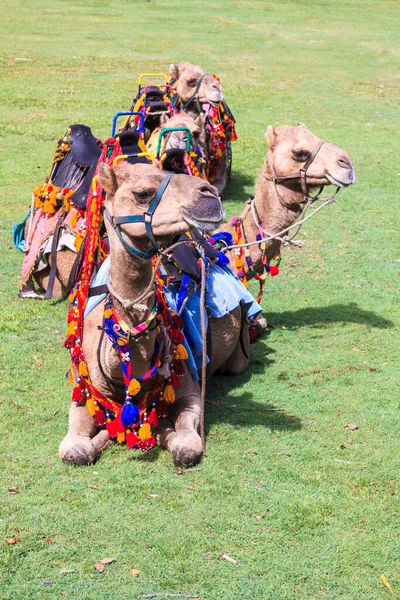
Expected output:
{"points": [[130, 142], [79, 164]]}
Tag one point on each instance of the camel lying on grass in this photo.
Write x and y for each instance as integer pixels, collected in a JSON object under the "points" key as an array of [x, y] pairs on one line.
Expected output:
{"points": [[186, 202]]}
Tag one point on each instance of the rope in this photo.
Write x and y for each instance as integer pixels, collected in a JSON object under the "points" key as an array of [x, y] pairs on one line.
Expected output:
{"points": [[204, 356], [280, 233]]}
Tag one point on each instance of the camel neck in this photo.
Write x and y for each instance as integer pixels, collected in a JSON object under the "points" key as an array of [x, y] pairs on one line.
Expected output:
{"points": [[275, 214], [130, 276]]}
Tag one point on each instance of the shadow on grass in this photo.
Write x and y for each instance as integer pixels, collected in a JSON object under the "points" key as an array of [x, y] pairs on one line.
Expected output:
{"points": [[223, 407], [236, 189], [319, 316]]}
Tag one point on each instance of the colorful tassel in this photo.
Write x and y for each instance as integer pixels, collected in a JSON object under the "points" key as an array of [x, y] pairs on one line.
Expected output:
{"points": [[145, 429], [82, 368], [134, 387], [153, 417], [130, 414], [169, 394], [181, 352], [132, 439]]}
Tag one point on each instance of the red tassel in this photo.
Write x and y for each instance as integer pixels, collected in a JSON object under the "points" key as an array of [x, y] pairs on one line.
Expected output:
{"points": [[153, 417], [273, 270], [77, 394], [132, 439], [175, 380], [110, 425], [99, 418], [179, 367], [119, 428]]}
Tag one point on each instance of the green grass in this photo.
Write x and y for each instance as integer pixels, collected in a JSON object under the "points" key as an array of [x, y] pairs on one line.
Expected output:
{"points": [[308, 508]]}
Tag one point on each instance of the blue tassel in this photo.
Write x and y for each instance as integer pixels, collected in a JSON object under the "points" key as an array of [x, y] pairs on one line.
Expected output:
{"points": [[223, 260], [130, 414], [223, 235]]}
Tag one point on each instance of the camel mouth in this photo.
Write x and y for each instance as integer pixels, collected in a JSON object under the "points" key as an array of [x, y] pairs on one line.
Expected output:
{"points": [[339, 183], [205, 223]]}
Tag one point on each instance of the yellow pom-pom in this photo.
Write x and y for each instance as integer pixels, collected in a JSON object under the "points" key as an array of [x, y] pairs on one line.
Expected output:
{"points": [[145, 431], [181, 352], [108, 313], [74, 218], [134, 387], [120, 437], [70, 377], [71, 328], [169, 394], [90, 405], [83, 369]]}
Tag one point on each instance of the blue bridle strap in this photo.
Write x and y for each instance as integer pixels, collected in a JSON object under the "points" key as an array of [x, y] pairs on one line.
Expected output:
{"points": [[147, 219]]}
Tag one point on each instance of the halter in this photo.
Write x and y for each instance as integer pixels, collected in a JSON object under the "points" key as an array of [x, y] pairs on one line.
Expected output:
{"points": [[195, 96], [147, 219], [301, 175]]}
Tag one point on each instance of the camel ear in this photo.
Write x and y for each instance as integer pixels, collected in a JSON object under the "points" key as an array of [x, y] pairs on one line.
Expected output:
{"points": [[270, 135], [200, 120], [163, 119], [107, 179], [174, 71]]}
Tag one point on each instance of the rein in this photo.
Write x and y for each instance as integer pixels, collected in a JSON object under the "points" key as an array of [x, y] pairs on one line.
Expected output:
{"points": [[195, 96]]}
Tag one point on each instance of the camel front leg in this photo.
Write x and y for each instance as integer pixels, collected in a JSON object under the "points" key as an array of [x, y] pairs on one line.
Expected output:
{"points": [[81, 445], [180, 433]]}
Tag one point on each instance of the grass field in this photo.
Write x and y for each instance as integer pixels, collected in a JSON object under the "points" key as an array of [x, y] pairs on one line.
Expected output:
{"points": [[308, 508]]}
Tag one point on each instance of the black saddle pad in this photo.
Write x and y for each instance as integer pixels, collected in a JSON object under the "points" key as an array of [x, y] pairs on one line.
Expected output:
{"points": [[77, 169], [129, 141], [185, 259]]}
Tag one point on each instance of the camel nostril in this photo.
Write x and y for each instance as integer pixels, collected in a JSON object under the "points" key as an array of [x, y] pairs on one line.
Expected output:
{"points": [[344, 163], [204, 190]]}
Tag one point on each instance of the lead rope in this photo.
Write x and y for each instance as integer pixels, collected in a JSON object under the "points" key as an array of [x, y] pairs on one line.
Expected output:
{"points": [[204, 356]]}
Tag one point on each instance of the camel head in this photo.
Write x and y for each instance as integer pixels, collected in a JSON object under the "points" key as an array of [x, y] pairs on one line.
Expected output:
{"points": [[132, 194], [176, 140], [193, 81], [289, 150]]}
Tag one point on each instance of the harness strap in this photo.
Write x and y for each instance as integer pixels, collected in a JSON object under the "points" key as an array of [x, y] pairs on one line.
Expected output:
{"points": [[195, 96], [147, 218]]}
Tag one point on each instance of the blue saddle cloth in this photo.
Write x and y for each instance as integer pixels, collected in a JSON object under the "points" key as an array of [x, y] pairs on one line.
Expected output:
{"points": [[224, 293]]}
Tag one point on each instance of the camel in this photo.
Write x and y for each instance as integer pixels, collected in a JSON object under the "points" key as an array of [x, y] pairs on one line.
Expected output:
{"points": [[174, 144], [195, 87], [201, 93], [279, 194], [186, 202]]}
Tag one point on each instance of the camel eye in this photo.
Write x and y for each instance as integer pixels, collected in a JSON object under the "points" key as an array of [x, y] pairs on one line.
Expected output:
{"points": [[196, 134], [143, 197], [301, 155], [191, 82]]}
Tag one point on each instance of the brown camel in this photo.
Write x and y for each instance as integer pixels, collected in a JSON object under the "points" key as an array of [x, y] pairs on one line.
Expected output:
{"points": [[201, 93], [187, 201], [195, 87], [279, 203]]}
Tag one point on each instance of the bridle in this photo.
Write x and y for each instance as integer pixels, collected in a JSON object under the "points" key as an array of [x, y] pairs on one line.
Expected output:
{"points": [[195, 96], [300, 175], [146, 218]]}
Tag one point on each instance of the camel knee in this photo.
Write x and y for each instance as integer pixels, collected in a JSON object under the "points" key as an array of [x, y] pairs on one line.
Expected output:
{"points": [[186, 448], [77, 451]]}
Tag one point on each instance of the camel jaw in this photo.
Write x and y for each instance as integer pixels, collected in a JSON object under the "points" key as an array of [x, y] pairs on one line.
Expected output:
{"points": [[208, 224], [341, 184]]}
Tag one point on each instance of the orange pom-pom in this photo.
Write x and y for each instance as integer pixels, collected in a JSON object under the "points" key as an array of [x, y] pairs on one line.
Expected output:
{"points": [[169, 394], [134, 387], [181, 352], [82, 368]]}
